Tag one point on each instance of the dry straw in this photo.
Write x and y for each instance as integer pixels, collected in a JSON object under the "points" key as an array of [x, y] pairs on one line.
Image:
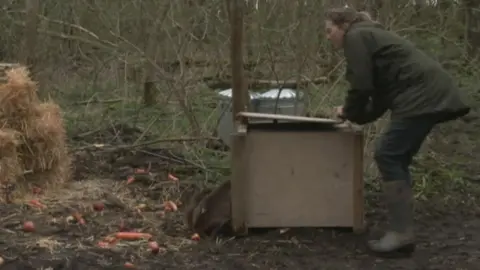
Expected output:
{"points": [[32, 135], [10, 168]]}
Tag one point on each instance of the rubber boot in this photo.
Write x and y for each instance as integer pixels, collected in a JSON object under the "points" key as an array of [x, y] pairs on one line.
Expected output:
{"points": [[399, 240]]}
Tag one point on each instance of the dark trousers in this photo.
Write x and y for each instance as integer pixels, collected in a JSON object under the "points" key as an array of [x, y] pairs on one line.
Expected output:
{"points": [[401, 141]]}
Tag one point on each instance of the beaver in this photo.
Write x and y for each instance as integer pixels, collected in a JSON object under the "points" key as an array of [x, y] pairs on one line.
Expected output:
{"points": [[209, 212]]}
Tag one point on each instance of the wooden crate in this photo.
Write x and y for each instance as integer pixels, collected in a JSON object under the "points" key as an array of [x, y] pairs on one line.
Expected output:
{"points": [[306, 172]]}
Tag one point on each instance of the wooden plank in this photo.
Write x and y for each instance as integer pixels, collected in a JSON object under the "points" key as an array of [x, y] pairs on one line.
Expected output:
{"points": [[287, 118], [240, 96], [239, 103], [308, 183], [238, 181]]}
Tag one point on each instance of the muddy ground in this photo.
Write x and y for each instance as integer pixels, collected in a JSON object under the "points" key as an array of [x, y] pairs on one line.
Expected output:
{"points": [[447, 224]]}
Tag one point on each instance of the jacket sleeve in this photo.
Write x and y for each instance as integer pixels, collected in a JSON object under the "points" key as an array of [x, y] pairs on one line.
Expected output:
{"points": [[360, 77], [374, 110]]}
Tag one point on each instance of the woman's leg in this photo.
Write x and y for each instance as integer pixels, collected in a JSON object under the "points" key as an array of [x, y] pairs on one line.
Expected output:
{"points": [[393, 155]]}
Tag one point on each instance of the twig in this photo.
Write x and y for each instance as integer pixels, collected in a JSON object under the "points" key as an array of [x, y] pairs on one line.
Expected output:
{"points": [[191, 163], [4, 219], [146, 130], [108, 101], [88, 133], [123, 147], [101, 44]]}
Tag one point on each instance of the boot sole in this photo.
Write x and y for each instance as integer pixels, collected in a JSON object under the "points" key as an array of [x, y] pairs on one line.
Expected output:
{"points": [[402, 252]]}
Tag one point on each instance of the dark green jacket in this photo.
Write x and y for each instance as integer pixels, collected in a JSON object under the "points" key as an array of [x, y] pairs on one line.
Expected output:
{"points": [[387, 72]]}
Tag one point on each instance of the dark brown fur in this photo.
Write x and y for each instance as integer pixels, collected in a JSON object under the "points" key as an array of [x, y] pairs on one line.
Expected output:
{"points": [[210, 214], [194, 199]]}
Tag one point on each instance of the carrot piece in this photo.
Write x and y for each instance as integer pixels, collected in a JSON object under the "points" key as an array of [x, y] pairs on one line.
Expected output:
{"points": [[170, 206], [130, 179], [129, 265], [132, 235], [110, 240], [79, 218], [103, 244], [172, 177], [36, 203], [195, 237], [140, 170]]}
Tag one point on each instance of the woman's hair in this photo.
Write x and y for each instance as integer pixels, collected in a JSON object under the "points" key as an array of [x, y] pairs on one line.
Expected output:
{"points": [[346, 15]]}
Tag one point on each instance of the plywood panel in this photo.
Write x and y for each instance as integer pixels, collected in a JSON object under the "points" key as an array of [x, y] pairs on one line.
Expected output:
{"points": [[300, 179], [292, 118]]}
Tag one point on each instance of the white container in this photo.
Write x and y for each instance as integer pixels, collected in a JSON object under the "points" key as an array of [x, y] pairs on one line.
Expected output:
{"points": [[281, 101], [225, 126]]}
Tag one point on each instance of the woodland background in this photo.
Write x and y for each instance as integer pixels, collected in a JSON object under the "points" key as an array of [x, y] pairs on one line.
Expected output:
{"points": [[156, 65]]}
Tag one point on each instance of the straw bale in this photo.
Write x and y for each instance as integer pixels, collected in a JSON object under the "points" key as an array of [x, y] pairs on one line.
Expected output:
{"points": [[5, 67], [19, 95], [46, 124], [45, 149], [14, 123], [43, 120], [45, 138], [32, 135], [10, 167], [41, 156], [59, 172]]}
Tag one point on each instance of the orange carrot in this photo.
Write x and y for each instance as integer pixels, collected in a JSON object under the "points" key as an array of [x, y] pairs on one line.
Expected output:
{"points": [[36, 203], [171, 177], [79, 218], [195, 237], [103, 244], [129, 265], [154, 247], [170, 206], [139, 170], [110, 240], [132, 235], [107, 243], [130, 179]]}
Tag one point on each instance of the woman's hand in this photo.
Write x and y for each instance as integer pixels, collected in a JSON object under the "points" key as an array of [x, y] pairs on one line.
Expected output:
{"points": [[339, 112]]}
